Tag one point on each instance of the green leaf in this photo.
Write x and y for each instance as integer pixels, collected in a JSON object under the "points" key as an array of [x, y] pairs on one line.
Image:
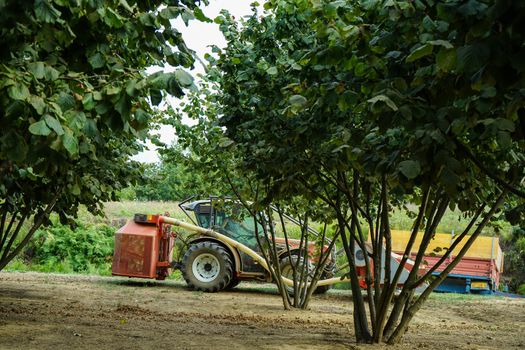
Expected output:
{"points": [[446, 60], [28, 172], [37, 69], [113, 19], [51, 74], [70, 143], [88, 101], [156, 96], [297, 101], [38, 104], [97, 96], [90, 128], [184, 78], [173, 87], [201, 16], [149, 20], [296, 66], [39, 128], [141, 116], [44, 11], [54, 124], [6, 82], [97, 60], [488, 92], [225, 142], [186, 16], [131, 87], [505, 124], [170, 12], [470, 58], [75, 189], [18, 92], [385, 99], [420, 52], [76, 119], [410, 168], [66, 101], [272, 71], [504, 139], [428, 23], [446, 44], [360, 69], [112, 90]]}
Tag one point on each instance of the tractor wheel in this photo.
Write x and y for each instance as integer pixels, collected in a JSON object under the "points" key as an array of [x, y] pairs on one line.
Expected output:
{"points": [[329, 272], [286, 264], [207, 267], [287, 271], [325, 275]]}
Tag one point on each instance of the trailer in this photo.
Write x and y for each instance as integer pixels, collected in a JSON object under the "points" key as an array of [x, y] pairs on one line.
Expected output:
{"points": [[478, 271]]}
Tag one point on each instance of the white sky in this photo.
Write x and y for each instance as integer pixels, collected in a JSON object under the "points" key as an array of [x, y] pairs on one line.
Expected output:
{"points": [[198, 37]]}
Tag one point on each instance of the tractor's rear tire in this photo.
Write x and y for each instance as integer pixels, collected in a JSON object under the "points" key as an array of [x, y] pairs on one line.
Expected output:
{"points": [[207, 267], [323, 289], [287, 271]]}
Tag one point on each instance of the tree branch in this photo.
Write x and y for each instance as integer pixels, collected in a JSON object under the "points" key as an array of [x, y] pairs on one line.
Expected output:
{"points": [[453, 246], [487, 172], [412, 309]]}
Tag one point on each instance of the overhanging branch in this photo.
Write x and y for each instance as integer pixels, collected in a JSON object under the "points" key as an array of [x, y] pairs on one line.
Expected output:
{"points": [[489, 173]]}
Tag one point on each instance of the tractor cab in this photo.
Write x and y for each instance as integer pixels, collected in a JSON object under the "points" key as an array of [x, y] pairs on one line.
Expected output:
{"points": [[229, 219]]}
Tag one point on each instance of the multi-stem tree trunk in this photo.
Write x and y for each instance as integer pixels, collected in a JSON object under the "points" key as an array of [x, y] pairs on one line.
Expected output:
{"points": [[388, 318], [13, 236], [305, 274], [390, 322]]}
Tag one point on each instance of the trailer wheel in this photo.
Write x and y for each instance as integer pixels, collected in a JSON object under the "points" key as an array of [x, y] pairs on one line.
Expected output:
{"points": [[207, 266]]}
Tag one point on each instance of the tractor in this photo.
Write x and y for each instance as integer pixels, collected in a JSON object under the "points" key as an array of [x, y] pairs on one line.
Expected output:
{"points": [[220, 251]]}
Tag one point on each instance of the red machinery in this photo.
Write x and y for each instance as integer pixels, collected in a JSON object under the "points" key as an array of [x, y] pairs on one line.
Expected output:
{"points": [[143, 248]]}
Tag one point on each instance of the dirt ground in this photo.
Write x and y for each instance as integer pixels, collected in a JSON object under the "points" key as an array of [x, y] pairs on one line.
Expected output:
{"points": [[48, 311]]}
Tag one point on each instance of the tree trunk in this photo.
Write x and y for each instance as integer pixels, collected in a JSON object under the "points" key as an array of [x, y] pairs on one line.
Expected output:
{"points": [[411, 310], [7, 256]]}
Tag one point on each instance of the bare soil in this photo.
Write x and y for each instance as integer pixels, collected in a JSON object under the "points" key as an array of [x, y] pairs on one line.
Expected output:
{"points": [[49, 311]]}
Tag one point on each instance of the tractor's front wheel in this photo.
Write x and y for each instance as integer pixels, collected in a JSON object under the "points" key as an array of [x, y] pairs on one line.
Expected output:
{"points": [[207, 266]]}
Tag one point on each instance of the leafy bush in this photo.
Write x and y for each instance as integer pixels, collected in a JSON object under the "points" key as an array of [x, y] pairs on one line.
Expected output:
{"points": [[513, 245], [59, 248], [521, 289]]}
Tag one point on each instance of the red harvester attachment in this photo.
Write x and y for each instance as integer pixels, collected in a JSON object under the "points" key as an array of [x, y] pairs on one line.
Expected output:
{"points": [[143, 248]]}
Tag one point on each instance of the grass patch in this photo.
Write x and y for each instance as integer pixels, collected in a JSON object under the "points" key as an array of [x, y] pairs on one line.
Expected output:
{"points": [[452, 221]]}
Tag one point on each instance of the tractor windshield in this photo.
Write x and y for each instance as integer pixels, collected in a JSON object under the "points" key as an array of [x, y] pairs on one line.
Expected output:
{"points": [[242, 229]]}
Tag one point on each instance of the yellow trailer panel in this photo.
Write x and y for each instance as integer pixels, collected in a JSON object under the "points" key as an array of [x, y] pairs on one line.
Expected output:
{"points": [[484, 247]]}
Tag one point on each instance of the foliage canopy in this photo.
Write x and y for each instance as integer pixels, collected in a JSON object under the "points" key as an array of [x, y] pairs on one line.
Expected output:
{"points": [[371, 104], [75, 101]]}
